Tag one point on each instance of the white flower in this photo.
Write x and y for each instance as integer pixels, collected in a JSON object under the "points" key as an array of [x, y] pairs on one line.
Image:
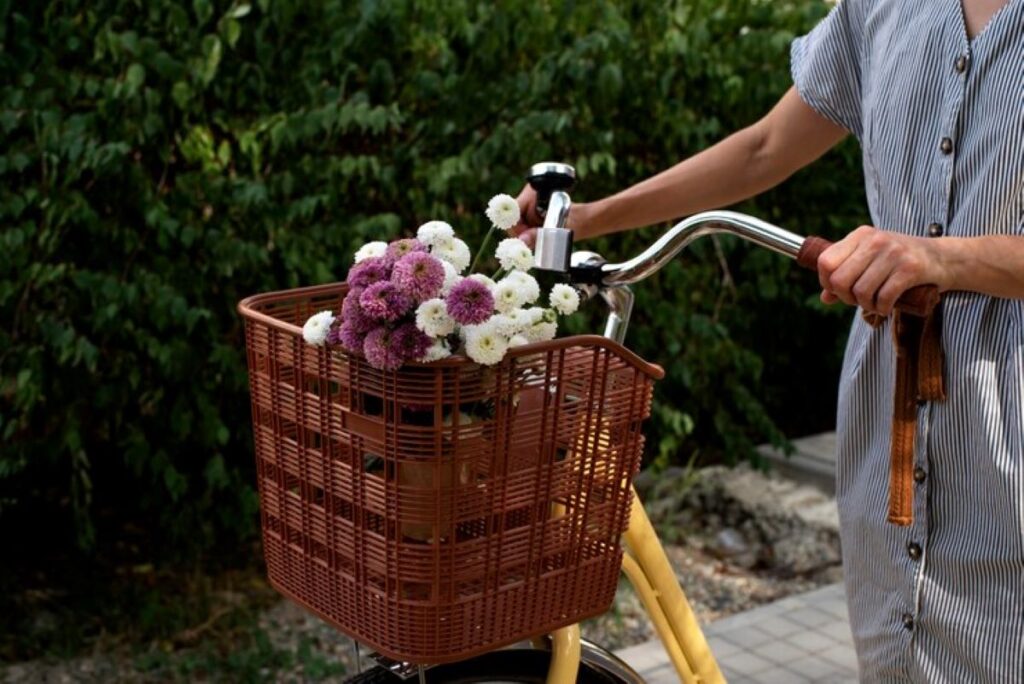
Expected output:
{"points": [[541, 332], [529, 285], [316, 328], [435, 233], [451, 278], [480, 277], [564, 299], [535, 315], [517, 320], [505, 324], [518, 341], [513, 254], [485, 346], [371, 249], [432, 318], [455, 253], [503, 211], [508, 295], [437, 351]]}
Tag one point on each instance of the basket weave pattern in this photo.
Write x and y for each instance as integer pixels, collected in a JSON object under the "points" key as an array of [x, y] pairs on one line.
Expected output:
{"points": [[442, 510]]}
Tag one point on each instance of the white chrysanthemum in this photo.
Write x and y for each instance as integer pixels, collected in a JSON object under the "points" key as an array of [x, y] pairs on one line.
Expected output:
{"points": [[514, 255], [435, 233], [485, 345], [433, 319], [437, 351], [564, 299], [508, 295], [541, 332], [455, 253], [316, 328], [451, 278], [529, 285], [517, 320], [506, 325], [480, 277], [503, 211], [517, 341], [371, 249], [535, 314]]}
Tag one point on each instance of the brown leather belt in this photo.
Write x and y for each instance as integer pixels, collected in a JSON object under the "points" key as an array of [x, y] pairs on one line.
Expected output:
{"points": [[917, 337]]}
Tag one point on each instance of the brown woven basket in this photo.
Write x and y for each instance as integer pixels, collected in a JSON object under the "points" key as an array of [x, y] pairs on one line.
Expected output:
{"points": [[442, 510]]}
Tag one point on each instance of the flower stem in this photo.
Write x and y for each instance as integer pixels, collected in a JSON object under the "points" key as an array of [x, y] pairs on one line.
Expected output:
{"points": [[483, 247]]}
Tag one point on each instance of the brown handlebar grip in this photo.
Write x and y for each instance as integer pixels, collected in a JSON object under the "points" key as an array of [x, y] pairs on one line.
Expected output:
{"points": [[917, 301]]}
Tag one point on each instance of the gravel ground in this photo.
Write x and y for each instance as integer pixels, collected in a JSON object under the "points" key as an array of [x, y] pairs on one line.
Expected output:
{"points": [[738, 539]]}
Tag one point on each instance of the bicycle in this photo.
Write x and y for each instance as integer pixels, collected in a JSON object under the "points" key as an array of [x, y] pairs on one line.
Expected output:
{"points": [[470, 519]]}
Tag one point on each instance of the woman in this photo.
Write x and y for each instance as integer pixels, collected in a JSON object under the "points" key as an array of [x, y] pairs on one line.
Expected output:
{"points": [[934, 92]]}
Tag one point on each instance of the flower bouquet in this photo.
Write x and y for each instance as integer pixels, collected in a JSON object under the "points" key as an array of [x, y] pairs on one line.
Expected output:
{"points": [[408, 302]]}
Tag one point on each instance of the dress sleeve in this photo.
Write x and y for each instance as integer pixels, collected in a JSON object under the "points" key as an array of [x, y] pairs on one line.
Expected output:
{"points": [[827, 64]]}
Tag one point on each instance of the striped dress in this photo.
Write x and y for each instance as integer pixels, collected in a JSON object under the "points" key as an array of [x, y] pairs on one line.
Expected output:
{"points": [[940, 119]]}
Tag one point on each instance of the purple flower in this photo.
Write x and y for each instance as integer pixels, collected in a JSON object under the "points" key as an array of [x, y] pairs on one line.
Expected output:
{"points": [[349, 337], [410, 342], [418, 275], [384, 302], [399, 248], [377, 348], [470, 302], [368, 271], [353, 314]]}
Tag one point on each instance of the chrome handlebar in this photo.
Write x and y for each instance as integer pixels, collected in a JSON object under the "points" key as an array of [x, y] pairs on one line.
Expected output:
{"points": [[593, 276]]}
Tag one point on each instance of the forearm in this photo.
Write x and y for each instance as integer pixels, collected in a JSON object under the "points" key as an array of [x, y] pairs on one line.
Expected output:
{"points": [[746, 163], [990, 264]]}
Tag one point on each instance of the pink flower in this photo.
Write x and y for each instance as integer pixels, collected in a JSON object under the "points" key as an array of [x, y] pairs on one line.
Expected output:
{"points": [[350, 338], [368, 271], [409, 342], [353, 314], [470, 302], [377, 348], [418, 275], [399, 248], [384, 302]]}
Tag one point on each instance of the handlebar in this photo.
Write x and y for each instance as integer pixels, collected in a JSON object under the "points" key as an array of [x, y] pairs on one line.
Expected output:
{"points": [[594, 276]]}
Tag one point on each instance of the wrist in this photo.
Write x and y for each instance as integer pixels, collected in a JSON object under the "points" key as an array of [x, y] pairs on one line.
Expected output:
{"points": [[580, 220], [948, 261]]}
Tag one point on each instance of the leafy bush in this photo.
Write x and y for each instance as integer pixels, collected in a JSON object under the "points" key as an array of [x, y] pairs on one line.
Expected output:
{"points": [[161, 160]]}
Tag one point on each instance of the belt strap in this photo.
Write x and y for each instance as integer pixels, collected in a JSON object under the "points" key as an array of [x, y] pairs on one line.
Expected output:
{"points": [[919, 362]]}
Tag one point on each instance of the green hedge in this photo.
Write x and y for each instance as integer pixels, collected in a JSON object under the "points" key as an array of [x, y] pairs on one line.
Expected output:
{"points": [[161, 160]]}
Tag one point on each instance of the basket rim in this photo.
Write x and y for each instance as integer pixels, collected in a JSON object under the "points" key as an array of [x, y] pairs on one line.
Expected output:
{"points": [[248, 308]]}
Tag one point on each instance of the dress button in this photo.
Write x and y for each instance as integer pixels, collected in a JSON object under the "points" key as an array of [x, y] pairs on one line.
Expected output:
{"points": [[914, 551], [935, 230], [908, 621], [961, 64], [919, 475], [946, 146]]}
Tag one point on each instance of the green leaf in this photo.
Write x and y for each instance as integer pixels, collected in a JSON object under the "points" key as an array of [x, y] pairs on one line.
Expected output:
{"points": [[232, 30], [181, 93], [134, 78], [240, 10], [212, 53]]}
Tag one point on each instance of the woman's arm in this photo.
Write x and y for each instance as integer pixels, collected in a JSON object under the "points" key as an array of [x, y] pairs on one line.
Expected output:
{"points": [[789, 137]]}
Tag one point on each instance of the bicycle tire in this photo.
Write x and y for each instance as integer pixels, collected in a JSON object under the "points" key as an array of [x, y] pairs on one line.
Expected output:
{"points": [[517, 666]]}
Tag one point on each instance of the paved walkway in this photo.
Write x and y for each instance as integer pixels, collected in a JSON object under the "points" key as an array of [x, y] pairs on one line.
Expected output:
{"points": [[803, 638]]}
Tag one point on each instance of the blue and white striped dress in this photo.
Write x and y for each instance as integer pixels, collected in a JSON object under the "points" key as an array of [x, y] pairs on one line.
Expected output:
{"points": [[940, 119]]}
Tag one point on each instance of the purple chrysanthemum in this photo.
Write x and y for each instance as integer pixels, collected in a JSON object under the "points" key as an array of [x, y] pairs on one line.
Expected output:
{"points": [[470, 302], [399, 248], [384, 302], [349, 337], [410, 342], [377, 348], [353, 314], [418, 275], [369, 271]]}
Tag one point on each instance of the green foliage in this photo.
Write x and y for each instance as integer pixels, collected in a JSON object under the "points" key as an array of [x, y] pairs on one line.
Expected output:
{"points": [[161, 160]]}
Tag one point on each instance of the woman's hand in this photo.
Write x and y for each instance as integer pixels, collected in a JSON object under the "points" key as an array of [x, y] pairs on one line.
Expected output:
{"points": [[526, 229], [872, 268]]}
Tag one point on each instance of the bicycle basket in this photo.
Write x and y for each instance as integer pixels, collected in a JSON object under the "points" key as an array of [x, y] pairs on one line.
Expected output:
{"points": [[445, 509]]}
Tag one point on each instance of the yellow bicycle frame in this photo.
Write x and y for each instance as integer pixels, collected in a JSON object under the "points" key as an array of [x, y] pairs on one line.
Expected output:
{"points": [[649, 571]]}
